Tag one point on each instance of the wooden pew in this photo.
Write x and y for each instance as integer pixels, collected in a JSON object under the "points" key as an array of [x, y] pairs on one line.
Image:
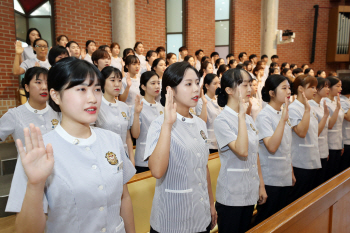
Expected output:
{"points": [[142, 186], [323, 210]]}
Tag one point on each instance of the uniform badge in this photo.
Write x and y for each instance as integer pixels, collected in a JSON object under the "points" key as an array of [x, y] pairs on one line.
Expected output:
{"points": [[288, 122], [124, 114], [192, 111], [251, 126], [204, 137], [315, 115], [111, 158], [161, 112], [54, 123]]}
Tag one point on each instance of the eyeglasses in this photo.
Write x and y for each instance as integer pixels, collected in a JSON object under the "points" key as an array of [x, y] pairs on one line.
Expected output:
{"points": [[41, 46]]}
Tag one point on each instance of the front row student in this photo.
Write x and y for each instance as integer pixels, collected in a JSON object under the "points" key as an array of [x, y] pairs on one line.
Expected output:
{"points": [[240, 183], [72, 179]]}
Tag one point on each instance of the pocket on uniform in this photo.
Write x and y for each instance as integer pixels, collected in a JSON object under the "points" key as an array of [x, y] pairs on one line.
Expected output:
{"points": [[235, 180], [278, 166], [120, 228], [178, 205]]}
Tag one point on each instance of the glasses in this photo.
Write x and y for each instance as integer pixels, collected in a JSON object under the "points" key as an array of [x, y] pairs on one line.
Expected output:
{"points": [[41, 46]]}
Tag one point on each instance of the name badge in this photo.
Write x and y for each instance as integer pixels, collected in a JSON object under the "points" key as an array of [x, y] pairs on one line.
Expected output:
{"points": [[251, 126]]}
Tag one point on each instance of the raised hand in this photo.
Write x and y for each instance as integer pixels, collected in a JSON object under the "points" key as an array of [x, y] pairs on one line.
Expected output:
{"points": [[242, 105], [18, 47], [285, 115], [128, 80], [326, 110], [338, 102], [170, 107], [307, 105], [37, 160], [82, 53], [205, 101], [138, 104]]}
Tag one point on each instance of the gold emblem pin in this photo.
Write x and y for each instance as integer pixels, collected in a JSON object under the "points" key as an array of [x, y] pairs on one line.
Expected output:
{"points": [[123, 114], [203, 135], [192, 111], [111, 158], [54, 123], [288, 122], [161, 112]]}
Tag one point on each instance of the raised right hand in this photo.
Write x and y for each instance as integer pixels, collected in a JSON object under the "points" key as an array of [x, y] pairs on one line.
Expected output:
{"points": [[307, 105], [170, 107], [37, 160], [242, 106], [285, 115], [338, 102], [18, 47], [128, 80]]}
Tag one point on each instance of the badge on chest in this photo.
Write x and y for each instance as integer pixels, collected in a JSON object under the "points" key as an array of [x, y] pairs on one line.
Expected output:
{"points": [[288, 122], [54, 123], [111, 158], [256, 131], [204, 137], [125, 116]]}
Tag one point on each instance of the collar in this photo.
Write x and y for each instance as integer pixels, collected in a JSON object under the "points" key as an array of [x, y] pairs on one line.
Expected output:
{"points": [[185, 119], [230, 110], [37, 60], [76, 141], [344, 97], [315, 103], [209, 99], [149, 104], [299, 103], [40, 112], [109, 103], [273, 110]]}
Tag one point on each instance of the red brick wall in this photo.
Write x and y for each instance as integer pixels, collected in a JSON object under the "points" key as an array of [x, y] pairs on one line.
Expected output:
{"points": [[150, 23], [200, 26], [300, 19], [84, 20], [245, 26]]}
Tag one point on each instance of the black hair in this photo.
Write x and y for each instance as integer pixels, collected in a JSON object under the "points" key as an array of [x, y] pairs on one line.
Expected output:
{"points": [[239, 66], [173, 76], [214, 54], [188, 57], [284, 71], [222, 70], [103, 47], [264, 56], [155, 63], [240, 55], [217, 62], [231, 78], [30, 74], [168, 57], [208, 79], [307, 70], [131, 59], [56, 51], [106, 72], [160, 48], [333, 81], [319, 72], [297, 71], [284, 65], [198, 52], [273, 64], [292, 66], [150, 53], [36, 41], [271, 84], [252, 56], [271, 70], [247, 63], [60, 37], [71, 42], [137, 44], [322, 82], [204, 58], [274, 57], [229, 55], [345, 81], [303, 65], [204, 66], [145, 77], [70, 72], [87, 44], [183, 48], [28, 32], [126, 52]]}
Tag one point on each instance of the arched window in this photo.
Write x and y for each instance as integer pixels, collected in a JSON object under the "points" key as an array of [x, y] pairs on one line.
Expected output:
{"points": [[34, 14]]}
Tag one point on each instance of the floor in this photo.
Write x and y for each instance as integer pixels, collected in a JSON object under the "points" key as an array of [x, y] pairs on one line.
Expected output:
{"points": [[7, 224]]}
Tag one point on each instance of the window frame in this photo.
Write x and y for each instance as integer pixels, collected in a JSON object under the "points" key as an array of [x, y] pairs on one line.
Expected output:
{"points": [[229, 27]]}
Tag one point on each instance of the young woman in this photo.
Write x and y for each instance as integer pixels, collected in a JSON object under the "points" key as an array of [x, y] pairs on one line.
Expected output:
{"points": [[116, 60], [293, 66], [233, 63], [285, 65], [90, 48], [321, 110], [101, 59], [114, 115], [131, 82], [41, 47], [240, 184], [304, 122], [258, 72], [62, 40], [28, 52], [288, 74], [206, 68], [218, 63], [138, 48], [73, 49], [345, 104], [127, 52], [222, 69], [170, 59], [177, 151], [151, 55], [211, 83], [35, 110], [335, 136], [255, 104], [309, 71], [149, 89], [57, 53], [275, 135], [321, 73], [74, 171], [273, 70], [190, 59], [159, 67]]}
